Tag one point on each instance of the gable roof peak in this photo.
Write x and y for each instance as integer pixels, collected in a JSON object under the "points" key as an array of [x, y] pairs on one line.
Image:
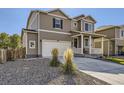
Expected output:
{"points": [[58, 9], [89, 16], [76, 17]]}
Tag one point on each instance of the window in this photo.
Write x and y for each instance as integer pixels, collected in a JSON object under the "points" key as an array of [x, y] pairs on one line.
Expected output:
{"points": [[86, 42], [57, 23], [122, 33], [32, 44], [75, 42], [88, 27], [75, 24]]}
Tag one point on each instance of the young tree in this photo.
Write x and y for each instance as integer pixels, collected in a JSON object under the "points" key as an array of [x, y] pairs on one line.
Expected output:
{"points": [[14, 41], [4, 40]]}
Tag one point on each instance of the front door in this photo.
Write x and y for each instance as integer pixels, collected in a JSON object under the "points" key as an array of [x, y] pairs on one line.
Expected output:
{"points": [[120, 50], [75, 42]]}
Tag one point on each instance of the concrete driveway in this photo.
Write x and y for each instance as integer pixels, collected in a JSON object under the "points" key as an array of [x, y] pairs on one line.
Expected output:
{"points": [[110, 72]]}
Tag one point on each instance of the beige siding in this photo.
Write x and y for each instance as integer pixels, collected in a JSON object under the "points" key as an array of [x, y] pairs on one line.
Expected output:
{"points": [[24, 39], [105, 47], [117, 33], [32, 36], [79, 25], [119, 42], [54, 36], [33, 22], [58, 13], [110, 33], [46, 22]]}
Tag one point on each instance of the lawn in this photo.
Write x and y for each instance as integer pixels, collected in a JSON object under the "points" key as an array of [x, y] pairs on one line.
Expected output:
{"points": [[116, 60]]}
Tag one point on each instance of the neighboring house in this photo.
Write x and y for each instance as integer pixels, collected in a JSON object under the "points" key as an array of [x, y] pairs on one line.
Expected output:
{"points": [[54, 29], [114, 42]]}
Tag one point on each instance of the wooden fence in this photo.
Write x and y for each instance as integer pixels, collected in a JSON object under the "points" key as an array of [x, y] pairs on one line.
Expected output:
{"points": [[3, 57], [12, 54]]}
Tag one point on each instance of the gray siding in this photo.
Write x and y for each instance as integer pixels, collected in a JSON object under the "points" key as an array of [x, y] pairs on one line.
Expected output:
{"points": [[33, 22], [32, 36], [46, 22], [54, 36]]}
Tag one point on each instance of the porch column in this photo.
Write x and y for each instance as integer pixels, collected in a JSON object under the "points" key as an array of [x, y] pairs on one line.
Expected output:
{"points": [[90, 44], [102, 45], [82, 44], [108, 47]]}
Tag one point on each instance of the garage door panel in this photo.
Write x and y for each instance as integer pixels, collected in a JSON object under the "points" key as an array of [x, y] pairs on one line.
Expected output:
{"points": [[47, 47]]}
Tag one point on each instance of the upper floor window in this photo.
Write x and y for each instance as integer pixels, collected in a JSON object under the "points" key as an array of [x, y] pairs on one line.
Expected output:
{"points": [[57, 23], [74, 24], [88, 27], [122, 33]]}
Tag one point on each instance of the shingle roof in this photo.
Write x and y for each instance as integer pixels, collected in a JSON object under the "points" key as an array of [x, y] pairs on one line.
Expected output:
{"points": [[105, 27]]}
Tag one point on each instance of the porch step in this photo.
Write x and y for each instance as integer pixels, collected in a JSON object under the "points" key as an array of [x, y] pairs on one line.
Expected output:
{"points": [[93, 56], [87, 55], [79, 55]]}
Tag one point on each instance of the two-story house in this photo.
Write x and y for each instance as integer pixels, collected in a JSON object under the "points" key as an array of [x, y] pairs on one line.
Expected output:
{"points": [[114, 42], [54, 29]]}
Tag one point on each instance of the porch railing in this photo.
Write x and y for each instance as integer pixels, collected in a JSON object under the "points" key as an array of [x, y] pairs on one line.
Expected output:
{"points": [[96, 51], [77, 50]]}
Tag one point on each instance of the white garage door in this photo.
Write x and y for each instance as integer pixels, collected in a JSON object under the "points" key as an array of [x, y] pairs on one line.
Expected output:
{"points": [[48, 45]]}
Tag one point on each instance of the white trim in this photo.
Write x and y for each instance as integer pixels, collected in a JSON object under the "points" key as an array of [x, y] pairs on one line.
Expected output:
{"points": [[82, 44], [85, 20], [51, 31], [117, 39], [32, 32], [88, 21], [57, 16], [81, 25], [34, 44], [102, 45], [90, 33], [76, 35], [90, 44], [88, 28], [57, 19], [121, 33], [108, 47], [47, 40]]}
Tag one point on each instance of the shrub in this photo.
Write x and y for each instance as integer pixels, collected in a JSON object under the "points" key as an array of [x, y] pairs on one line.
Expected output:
{"points": [[69, 67], [54, 62], [117, 60]]}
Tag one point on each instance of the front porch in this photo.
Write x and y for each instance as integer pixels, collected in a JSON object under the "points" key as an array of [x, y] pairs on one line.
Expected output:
{"points": [[84, 43]]}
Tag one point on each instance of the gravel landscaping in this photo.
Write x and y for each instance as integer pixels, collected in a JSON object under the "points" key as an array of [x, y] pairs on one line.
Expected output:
{"points": [[38, 72]]}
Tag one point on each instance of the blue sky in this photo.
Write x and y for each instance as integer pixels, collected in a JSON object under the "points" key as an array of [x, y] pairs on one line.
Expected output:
{"points": [[13, 20]]}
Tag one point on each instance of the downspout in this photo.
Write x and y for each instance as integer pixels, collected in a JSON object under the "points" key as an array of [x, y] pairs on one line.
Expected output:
{"points": [[26, 42], [38, 26]]}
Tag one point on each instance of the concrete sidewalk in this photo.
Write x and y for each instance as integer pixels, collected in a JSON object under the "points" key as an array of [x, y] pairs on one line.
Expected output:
{"points": [[114, 79], [107, 71]]}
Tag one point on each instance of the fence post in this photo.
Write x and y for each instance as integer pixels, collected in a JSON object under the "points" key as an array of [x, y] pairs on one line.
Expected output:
{"points": [[3, 56]]}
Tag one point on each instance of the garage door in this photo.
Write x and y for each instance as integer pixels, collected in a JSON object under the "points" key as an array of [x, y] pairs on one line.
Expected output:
{"points": [[48, 45]]}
